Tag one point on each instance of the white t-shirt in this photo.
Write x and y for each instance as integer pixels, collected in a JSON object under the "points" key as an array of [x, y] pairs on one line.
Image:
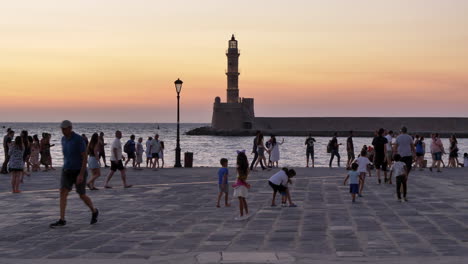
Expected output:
{"points": [[155, 146], [116, 147], [404, 142], [363, 162], [398, 168], [389, 144], [279, 178]]}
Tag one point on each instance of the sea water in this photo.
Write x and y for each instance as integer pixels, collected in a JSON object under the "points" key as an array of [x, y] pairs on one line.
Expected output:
{"points": [[207, 150]]}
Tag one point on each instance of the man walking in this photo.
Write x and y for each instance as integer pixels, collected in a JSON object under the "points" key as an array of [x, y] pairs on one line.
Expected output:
{"points": [[116, 161], [7, 139], [405, 147], [130, 149], [254, 151], [334, 150], [380, 161], [74, 172]]}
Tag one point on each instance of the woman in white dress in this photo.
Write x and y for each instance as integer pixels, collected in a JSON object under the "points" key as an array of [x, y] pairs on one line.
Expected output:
{"points": [[149, 157], [274, 151]]}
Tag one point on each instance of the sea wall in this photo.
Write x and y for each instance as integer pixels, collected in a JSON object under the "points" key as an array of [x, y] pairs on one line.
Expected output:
{"points": [[326, 126], [423, 125]]}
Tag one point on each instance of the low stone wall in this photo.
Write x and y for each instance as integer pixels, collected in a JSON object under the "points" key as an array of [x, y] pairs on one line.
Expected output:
{"points": [[362, 126], [423, 125]]}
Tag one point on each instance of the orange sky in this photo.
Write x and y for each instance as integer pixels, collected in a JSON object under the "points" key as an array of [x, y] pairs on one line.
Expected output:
{"points": [[116, 61]]}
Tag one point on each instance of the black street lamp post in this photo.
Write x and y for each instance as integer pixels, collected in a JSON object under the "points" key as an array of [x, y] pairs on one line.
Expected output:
{"points": [[178, 86]]}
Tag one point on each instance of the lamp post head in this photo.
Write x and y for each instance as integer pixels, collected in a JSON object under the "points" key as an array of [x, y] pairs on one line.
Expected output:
{"points": [[178, 85]]}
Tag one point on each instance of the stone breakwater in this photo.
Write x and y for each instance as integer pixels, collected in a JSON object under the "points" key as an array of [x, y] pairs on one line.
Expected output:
{"points": [[326, 126]]}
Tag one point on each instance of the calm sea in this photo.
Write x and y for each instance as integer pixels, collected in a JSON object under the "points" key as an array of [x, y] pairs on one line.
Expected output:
{"points": [[207, 150]]}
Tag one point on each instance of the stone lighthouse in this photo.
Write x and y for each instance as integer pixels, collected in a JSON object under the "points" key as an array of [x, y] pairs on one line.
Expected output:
{"points": [[232, 71], [236, 113]]}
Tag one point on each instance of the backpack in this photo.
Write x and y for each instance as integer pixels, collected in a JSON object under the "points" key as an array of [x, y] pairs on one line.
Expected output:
{"points": [[329, 146], [127, 147]]}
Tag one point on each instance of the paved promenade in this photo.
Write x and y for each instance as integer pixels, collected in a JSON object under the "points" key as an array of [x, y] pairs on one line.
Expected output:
{"points": [[170, 217]]}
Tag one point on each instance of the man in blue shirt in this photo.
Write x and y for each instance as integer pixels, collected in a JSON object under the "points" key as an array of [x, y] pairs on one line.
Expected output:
{"points": [[74, 172]]}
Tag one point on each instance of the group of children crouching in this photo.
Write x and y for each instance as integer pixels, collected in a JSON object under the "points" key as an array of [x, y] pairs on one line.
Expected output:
{"points": [[357, 176], [278, 182]]}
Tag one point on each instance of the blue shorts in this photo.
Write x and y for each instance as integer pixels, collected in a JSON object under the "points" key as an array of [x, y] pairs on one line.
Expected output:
{"points": [[354, 188], [438, 156]]}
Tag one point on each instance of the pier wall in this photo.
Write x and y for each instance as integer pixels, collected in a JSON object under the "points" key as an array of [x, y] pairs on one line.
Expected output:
{"points": [[424, 125]]}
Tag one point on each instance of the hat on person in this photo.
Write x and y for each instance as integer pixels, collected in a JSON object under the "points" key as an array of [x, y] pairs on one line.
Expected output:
{"points": [[66, 124]]}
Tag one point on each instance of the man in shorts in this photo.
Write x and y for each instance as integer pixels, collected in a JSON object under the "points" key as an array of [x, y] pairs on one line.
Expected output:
{"points": [[380, 160], [116, 161], [406, 149], [74, 172]]}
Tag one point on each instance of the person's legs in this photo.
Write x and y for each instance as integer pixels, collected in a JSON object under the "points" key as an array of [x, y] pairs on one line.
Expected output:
{"points": [[219, 199], [331, 158], [85, 198], [96, 174], [18, 177], [241, 206], [288, 196], [307, 158], [13, 181], [263, 163], [338, 157], [398, 186], [123, 175], [226, 198], [361, 182], [109, 177], [404, 182], [63, 202], [246, 208], [253, 161], [274, 198], [5, 163]]}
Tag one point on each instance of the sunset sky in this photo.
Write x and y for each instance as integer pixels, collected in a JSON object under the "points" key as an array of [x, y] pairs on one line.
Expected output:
{"points": [[116, 60]]}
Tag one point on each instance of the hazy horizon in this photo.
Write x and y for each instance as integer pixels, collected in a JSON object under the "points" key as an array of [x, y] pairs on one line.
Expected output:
{"points": [[116, 61]]}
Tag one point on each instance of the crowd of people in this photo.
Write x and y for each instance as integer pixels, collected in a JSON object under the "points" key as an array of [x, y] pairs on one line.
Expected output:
{"points": [[390, 154], [25, 154]]}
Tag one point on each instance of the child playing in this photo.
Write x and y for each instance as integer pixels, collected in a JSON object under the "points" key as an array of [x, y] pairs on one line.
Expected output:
{"points": [[241, 187], [362, 162], [279, 183], [223, 186], [354, 178], [401, 174], [139, 153]]}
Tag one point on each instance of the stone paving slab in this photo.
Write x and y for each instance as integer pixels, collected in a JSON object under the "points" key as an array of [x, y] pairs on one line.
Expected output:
{"points": [[169, 217]]}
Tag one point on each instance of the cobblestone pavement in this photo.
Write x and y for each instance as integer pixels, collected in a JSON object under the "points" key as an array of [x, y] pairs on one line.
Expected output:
{"points": [[170, 217]]}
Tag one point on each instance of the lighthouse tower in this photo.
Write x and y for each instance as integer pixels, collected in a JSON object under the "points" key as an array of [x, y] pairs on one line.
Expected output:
{"points": [[232, 71], [236, 114]]}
